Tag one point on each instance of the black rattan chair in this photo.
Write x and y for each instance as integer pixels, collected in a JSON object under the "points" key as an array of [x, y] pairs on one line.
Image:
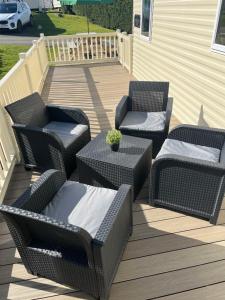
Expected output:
{"points": [[67, 253], [48, 136], [146, 112], [188, 174]]}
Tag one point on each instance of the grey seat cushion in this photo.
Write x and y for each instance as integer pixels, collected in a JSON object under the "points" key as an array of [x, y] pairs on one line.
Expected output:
{"points": [[80, 205], [171, 146], [145, 121], [67, 132]]}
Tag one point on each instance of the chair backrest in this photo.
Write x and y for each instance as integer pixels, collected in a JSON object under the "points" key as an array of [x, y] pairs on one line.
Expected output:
{"points": [[148, 96], [30, 110]]}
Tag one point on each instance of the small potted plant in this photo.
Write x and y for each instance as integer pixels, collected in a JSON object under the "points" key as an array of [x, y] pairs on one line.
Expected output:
{"points": [[113, 139]]}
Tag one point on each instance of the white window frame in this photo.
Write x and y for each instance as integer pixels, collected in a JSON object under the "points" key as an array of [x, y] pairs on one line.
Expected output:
{"points": [[217, 47], [144, 37]]}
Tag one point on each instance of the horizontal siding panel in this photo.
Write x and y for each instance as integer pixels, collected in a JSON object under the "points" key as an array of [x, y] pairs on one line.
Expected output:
{"points": [[179, 85], [180, 52]]}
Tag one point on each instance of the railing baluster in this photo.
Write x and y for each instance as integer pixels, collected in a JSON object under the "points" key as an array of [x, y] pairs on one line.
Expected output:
{"points": [[53, 47], [78, 49], [82, 46], [101, 41], [68, 49], [92, 50], [64, 53], [3, 158], [105, 47], [59, 53], [114, 47], [2, 175], [73, 50], [110, 46], [49, 50], [87, 49], [96, 47]]}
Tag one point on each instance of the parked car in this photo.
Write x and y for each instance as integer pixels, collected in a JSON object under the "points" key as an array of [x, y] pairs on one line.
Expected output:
{"points": [[14, 15]]}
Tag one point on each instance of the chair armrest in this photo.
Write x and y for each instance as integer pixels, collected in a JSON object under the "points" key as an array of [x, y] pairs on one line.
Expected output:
{"points": [[123, 195], [37, 196], [112, 237], [200, 184], [121, 110], [210, 137], [187, 163], [39, 135], [169, 108], [67, 114], [190, 163], [60, 230]]}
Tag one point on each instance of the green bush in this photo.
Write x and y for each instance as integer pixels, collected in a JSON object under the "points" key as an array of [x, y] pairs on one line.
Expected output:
{"points": [[113, 137], [118, 15]]}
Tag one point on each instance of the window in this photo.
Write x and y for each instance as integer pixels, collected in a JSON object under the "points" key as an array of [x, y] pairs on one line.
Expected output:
{"points": [[219, 34], [146, 18], [8, 8]]}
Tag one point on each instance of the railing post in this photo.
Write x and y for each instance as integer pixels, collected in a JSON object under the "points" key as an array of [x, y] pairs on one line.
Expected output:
{"points": [[42, 38], [36, 45], [124, 48], [23, 57], [118, 32], [131, 53]]}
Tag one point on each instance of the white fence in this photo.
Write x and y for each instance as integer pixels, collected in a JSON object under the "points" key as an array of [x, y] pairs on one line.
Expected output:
{"points": [[82, 48], [95, 47], [23, 79], [28, 76]]}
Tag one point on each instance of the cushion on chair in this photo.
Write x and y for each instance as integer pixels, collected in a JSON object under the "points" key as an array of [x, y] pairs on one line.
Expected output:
{"points": [[146, 121], [80, 205], [171, 146], [67, 132]]}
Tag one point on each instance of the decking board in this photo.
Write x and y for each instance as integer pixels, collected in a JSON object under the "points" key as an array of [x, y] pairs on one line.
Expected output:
{"points": [[170, 255]]}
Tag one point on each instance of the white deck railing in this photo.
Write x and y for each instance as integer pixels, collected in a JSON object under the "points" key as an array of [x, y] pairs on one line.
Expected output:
{"points": [[82, 48], [28, 76], [24, 78]]}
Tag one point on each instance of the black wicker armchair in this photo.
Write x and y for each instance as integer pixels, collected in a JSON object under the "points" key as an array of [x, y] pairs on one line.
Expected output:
{"points": [[146, 112], [77, 245], [189, 172], [48, 136]]}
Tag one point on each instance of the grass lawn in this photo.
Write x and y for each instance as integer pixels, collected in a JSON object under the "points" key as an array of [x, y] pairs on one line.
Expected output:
{"points": [[9, 55], [52, 24]]}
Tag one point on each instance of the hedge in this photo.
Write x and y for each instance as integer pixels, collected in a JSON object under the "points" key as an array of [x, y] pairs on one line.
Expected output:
{"points": [[118, 15]]}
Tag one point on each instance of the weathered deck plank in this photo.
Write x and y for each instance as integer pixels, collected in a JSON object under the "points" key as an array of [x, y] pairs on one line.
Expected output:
{"points": [[169, 256]]}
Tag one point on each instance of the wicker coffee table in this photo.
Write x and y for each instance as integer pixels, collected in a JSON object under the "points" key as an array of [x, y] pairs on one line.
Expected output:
{"points": [[99, 165]]}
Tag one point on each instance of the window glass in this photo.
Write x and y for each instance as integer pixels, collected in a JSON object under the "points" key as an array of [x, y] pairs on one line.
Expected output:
{"points": [[8, 8], [220, 33], [145, 23]]}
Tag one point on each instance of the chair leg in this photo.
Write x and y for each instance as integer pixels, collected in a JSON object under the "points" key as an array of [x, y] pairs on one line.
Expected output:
{"points": [[28, 168]]}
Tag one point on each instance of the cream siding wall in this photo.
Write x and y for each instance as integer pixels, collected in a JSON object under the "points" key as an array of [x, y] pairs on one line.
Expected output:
{"points": [[180, 52]]}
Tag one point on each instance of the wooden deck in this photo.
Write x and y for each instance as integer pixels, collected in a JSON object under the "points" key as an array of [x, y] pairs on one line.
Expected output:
{"points": [[170, 256]]}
